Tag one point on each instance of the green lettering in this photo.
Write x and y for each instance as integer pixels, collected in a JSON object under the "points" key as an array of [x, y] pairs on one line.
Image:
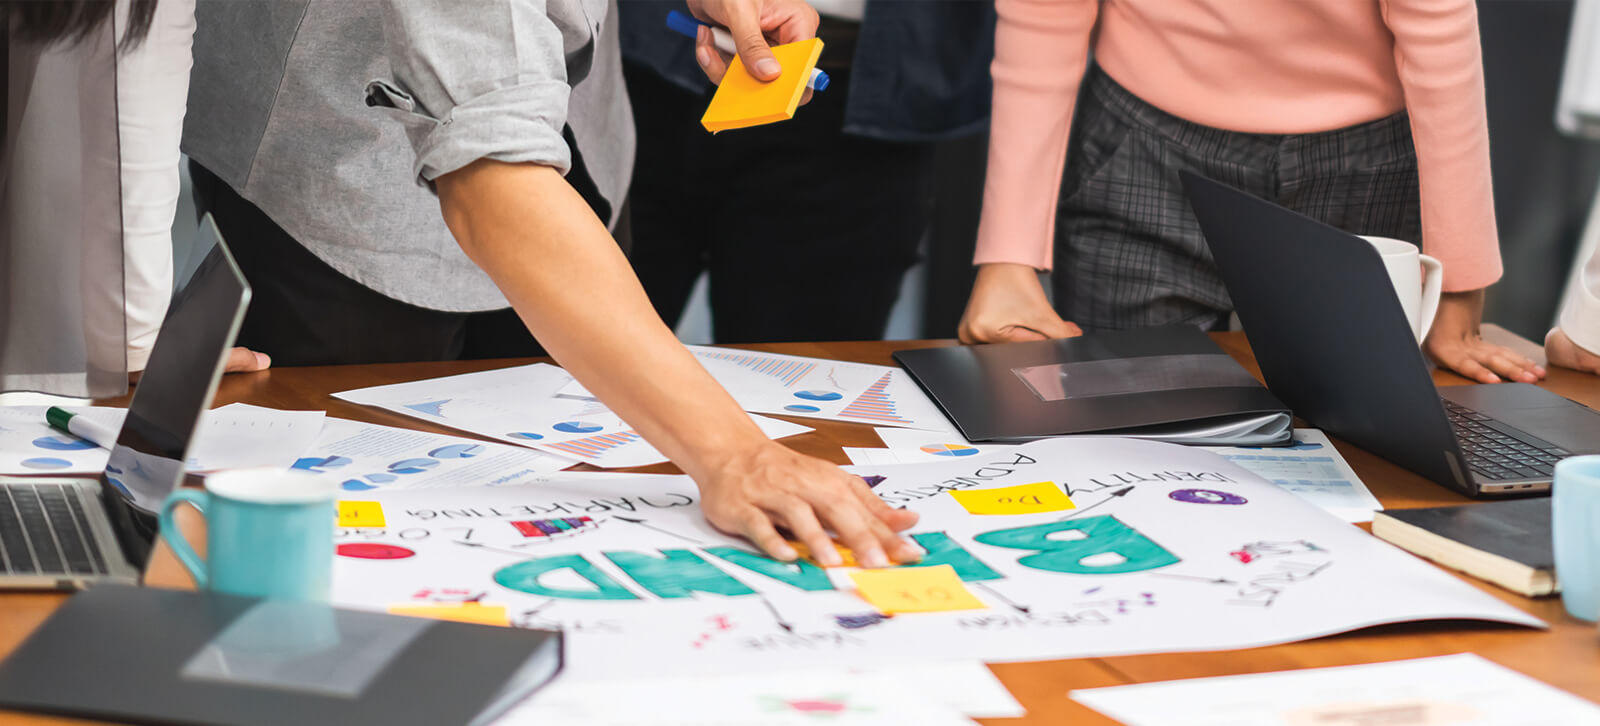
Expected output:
{"points": [[1100, 535], [677, 573], [525, 576]]}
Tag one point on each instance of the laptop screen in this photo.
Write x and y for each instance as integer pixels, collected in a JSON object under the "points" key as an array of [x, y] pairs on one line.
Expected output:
{"points": [[179, 381]]}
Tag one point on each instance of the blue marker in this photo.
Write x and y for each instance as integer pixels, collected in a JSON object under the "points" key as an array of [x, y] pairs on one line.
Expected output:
{"points": [[688, 26]]}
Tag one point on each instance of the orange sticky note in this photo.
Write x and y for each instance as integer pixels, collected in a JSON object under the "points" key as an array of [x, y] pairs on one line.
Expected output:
{"points": [[743, 101], [360, 514], [846, 557], [461, 612], [1021, 499], [915, 590]]}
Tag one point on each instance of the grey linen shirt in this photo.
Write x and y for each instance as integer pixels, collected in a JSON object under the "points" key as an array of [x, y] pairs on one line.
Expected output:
{"points": [[334, 117]]}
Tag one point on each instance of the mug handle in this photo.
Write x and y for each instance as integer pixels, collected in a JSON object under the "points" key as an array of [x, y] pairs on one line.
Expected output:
{"points": [[1432, 287], [196, 498]]}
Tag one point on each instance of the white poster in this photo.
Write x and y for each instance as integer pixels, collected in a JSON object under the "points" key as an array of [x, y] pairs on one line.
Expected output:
{"points": [[1310, 467], [1086, 548], [521, 405]]}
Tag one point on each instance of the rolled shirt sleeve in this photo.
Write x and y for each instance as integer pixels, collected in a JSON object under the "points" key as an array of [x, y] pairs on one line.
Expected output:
{"points": [[482, 79]]}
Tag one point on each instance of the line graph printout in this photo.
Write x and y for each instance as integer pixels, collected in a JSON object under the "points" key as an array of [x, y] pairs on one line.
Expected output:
{"points": [[522, 405], [791, 385], [1165, 548]]}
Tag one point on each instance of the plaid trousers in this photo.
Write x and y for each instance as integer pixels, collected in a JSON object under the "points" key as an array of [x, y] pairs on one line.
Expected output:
{"points": [[1128, 250]]}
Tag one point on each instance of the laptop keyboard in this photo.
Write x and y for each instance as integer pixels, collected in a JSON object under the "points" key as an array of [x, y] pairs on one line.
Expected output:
{"points": [[1496, 452], [44, 531]]}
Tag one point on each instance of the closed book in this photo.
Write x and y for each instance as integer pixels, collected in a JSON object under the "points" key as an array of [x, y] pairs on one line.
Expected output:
{"points": [[1507, 543], [144, 655], [1165, 384]]}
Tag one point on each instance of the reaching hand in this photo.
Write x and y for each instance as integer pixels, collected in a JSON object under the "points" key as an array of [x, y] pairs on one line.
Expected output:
{"points": [[1008, 305], [1563, 352], [244, 360], [1454, 343], [773, 486], [754, 24]]}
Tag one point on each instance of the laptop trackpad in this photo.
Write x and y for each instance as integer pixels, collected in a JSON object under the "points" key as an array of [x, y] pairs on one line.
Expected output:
{"points": [[1569, 425]]}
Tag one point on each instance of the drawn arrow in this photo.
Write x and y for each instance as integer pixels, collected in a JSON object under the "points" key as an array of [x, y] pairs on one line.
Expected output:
{"points": [[1196, 578], [786, 625], [1118, 493], [647, 525], [518, 555], [535, 611], [1024, 609]]}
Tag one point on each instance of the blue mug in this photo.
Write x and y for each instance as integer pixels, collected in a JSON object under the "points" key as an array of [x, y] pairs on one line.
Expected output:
{"points": [[1575, 525], [269, 533]]}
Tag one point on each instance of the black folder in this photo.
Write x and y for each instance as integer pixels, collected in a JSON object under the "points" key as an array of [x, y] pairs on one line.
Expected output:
{"points": [[144, 655], [1166, 384]]}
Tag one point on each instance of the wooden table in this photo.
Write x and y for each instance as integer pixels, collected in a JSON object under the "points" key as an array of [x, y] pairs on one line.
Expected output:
{"points": [[1567, 655]]}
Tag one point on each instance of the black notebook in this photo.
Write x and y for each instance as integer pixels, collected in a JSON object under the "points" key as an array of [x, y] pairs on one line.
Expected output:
{"points": [[1167, 384], [145, 655], [1507, 543]]}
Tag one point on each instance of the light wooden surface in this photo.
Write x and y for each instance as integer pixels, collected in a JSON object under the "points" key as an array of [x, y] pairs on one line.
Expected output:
{"points": [[1567, 655]]}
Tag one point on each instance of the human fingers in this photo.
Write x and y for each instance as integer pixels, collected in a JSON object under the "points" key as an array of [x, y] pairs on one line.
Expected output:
{"points": [[743, 20], [1464, 364], [790, 21], [1509, 365], [757, 527], [244, 360], [858, 530], [802, 522], [712, 62]]}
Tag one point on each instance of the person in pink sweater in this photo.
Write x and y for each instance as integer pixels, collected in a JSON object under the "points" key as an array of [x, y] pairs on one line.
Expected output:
{"points": [[1366, 114]]}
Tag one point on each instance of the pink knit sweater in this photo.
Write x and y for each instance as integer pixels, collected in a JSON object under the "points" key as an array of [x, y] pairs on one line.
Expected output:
{"points": [[1260, 66]]}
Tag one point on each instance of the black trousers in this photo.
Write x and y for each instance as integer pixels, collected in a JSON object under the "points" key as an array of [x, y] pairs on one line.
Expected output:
{"points": [[805, 231], [303, 312]]}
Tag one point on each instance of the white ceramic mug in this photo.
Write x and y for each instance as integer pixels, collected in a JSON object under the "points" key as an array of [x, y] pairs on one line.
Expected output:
{"points": [[1417, 280]]}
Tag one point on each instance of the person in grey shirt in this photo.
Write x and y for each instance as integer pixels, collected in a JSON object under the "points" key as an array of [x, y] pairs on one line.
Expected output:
{"points": [[446, 157]]}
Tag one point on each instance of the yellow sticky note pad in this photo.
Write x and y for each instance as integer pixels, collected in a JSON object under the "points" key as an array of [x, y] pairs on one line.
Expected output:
{"points": [[915, 590], [743, 101], [847, 558], [360, 514], [461, 612], [1021, 499]]}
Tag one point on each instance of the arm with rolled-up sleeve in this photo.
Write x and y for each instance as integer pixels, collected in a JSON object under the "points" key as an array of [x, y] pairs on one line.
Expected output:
{"points": [[481, 79]]}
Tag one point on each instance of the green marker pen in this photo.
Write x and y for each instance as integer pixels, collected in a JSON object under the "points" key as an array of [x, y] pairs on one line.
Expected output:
{"points": [[80, 426]]}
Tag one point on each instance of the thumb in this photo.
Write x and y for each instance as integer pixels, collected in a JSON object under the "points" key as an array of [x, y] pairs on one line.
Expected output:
{"points": [[1018, 334], [752, 46]]}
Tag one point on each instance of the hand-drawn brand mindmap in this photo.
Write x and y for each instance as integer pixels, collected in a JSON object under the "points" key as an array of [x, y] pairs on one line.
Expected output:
{"points": [[1112, 547]]}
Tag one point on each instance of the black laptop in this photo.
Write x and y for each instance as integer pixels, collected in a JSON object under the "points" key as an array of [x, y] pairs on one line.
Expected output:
{"points": [[1334, 344], [65, 533]]}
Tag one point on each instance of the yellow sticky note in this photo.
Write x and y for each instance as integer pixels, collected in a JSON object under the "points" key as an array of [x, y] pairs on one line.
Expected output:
{"points": [[743, 101], [915, 590], [360, 514], [461, 612], [847, 558], [1021, 499]]}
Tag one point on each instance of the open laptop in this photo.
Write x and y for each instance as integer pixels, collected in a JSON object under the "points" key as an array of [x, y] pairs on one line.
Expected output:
{"points": [[66, 533], [1334, 344]]}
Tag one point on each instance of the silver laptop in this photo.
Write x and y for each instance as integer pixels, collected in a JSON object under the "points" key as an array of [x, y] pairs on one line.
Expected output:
{"points": [[68, 533]]}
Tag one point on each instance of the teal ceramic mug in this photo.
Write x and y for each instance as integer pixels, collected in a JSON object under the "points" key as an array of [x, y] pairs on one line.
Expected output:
{"points": [[1575, 525], [269, 533]]}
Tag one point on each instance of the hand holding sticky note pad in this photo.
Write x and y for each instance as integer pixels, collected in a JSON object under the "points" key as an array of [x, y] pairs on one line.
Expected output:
{"points": [[742, 100]]}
